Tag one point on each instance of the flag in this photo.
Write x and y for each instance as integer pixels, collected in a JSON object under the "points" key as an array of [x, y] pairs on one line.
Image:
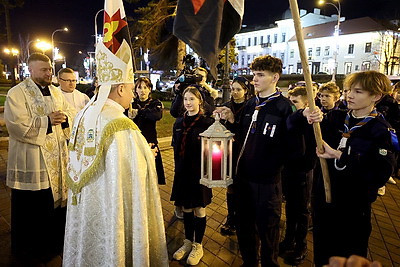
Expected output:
{"points": [[115, 28], [208, 25]]}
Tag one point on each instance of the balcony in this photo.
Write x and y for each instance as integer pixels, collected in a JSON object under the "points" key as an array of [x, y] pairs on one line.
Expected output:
{"points": [[265, 45]]}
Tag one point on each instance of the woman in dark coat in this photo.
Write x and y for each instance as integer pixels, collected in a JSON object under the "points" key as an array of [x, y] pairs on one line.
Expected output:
{"points": [[241, 90], [187, 190], [145, 113]]}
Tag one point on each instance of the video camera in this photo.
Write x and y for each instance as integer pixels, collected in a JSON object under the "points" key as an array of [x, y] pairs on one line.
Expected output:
{"points": [[188, 76]]}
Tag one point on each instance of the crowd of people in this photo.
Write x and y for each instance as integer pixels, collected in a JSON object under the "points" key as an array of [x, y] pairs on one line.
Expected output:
{"points": [[113, 167]]}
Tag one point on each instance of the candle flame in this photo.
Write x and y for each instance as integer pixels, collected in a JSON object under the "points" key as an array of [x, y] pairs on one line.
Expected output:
{"points": [[216, 149]]}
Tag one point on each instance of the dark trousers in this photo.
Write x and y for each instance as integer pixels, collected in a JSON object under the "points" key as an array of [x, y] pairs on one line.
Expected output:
{"points": [[258, 215], [37, 229], [297, 191], [340, 230]]}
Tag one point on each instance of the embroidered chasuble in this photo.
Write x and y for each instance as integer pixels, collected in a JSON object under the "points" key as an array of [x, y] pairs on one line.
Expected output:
{"points": [[114, 215], [26, 111]]}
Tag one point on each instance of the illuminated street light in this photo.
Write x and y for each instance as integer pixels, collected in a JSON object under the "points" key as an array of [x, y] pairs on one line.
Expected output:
{"points": [[52, 44], [95, 26], [29, 44], [13, 52], [43, 46], [336, 34]]}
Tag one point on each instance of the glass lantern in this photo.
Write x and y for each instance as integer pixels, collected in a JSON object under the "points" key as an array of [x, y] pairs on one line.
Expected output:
{"points": [[216, 156]]}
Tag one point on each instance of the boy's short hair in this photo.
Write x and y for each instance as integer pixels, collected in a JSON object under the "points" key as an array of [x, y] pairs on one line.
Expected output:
{"points": [[371, 81], [269, 63], [331, 88], [298, 91]]}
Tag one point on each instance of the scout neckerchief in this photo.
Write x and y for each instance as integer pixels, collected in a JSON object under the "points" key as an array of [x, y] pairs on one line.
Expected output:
{"points": [[253, 123], [259, 106], [347, 132], [186, 129]]}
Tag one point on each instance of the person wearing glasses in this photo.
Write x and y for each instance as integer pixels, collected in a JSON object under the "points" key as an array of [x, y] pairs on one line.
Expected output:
{"points": [[67, 80]]}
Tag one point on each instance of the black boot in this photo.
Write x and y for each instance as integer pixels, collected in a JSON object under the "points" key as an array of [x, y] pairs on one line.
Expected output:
{"points": [[285, 247], [297, 256], [229, 227]]}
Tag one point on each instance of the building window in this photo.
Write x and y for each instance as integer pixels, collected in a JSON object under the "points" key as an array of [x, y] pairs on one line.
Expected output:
{"points": [[318, 51], [347, 67], [282, 56], [356, 67], [242, 61], [292, 53], [351, 49], [309, 52], [268, 38], [283, 37], [261, 39], [275, 38], [366, 65], [326, 52], [255, 40], [248, 42], [274, 54], [368, 47]]}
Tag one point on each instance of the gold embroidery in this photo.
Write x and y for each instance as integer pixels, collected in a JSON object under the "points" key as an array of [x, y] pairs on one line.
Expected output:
{"points": [[109, 130]]}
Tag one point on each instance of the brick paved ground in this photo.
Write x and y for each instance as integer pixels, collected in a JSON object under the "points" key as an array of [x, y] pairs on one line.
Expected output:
{"points": [[222, 251]]}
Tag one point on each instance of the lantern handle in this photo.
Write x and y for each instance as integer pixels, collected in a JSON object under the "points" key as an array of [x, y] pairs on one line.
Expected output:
{"points": [[216, 116]]}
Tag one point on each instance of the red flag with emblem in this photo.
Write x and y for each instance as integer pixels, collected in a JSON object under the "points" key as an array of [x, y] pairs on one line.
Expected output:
{"points": [[208, 25], [115, 25]]}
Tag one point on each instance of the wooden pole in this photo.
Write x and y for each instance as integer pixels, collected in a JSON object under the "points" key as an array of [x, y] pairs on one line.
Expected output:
{"points": [[310, 95]]}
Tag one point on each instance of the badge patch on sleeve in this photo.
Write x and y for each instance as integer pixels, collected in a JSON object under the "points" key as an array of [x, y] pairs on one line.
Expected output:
{"points": [[382, 151]]}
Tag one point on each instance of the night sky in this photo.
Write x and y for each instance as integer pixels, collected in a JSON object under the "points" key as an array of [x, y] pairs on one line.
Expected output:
{"points": [[39, 18]]}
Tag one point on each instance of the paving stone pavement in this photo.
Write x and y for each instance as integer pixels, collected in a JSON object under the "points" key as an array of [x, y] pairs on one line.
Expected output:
{"points": [[220, 251]]}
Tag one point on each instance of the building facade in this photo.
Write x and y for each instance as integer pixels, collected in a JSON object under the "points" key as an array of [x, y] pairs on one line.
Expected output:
{"points": [[362, 44]]}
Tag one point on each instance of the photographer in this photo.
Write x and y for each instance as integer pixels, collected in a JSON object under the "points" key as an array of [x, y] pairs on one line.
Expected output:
{"points": [[197, 76]]}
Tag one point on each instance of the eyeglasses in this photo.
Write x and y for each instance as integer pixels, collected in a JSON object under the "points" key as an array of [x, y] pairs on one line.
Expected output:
{"points": [[70, 81]]}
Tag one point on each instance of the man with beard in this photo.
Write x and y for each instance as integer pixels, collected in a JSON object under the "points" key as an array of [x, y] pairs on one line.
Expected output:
{"points": [[37, 118]]}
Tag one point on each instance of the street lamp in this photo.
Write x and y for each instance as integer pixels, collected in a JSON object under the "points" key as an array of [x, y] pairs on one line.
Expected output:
{"points": [[29, 43], [336, 34], [95, 26], [52, 45], [13, 52], [43, 46]]}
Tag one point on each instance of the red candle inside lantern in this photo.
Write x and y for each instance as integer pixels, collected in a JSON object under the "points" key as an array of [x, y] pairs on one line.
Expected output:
{"points": [[216, 162]]}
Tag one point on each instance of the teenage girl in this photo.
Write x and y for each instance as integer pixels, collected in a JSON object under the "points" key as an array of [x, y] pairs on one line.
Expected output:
{"points": [[145, 113], [187, 190], [241, 91]]}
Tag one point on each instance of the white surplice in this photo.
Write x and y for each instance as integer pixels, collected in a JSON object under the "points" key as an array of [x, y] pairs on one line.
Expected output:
{"points": [[117, 218]]}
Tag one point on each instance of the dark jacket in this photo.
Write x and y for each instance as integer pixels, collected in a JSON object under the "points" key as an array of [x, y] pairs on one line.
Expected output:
{"points": [[368, 157], [187, 190], [149, 112], [270, 145]]}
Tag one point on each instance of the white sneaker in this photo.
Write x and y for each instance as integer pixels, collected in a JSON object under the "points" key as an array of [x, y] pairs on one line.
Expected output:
{"points": [[178, 212], [196, 254], [381, 191], [391, 180], [184, 250]]}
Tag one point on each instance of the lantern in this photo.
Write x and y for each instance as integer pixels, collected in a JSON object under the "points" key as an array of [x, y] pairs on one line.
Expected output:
{"points": [[216, 156]]}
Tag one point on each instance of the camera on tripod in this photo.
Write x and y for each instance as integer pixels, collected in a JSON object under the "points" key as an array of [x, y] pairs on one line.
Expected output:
{"points": [[188, 75]]}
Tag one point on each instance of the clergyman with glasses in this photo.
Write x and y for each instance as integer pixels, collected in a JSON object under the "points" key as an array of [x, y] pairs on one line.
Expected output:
{"points": [[67, 80]]}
